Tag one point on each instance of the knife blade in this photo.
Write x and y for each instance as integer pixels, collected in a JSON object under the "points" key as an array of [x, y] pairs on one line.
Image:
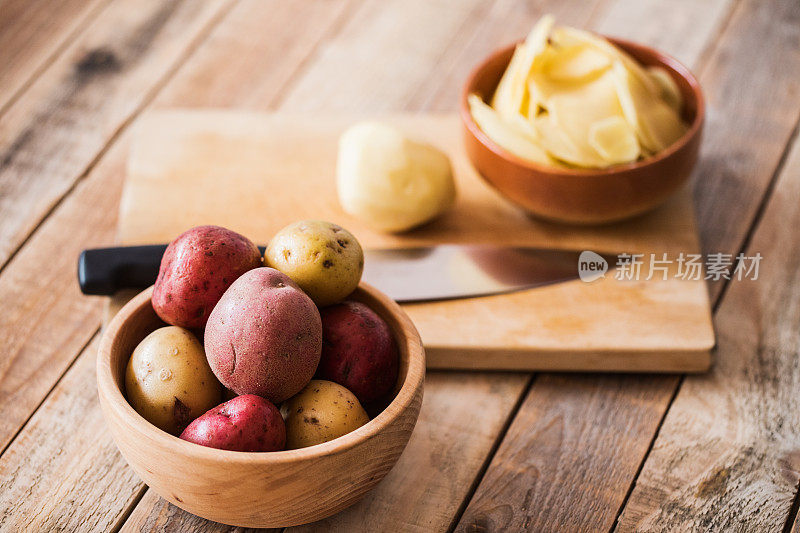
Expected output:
{"points": [[426, 273]]}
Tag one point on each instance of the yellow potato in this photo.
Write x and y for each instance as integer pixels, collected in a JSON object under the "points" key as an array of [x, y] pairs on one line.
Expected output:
{"points": [[324, 259], [321, 412], [168, 380]]}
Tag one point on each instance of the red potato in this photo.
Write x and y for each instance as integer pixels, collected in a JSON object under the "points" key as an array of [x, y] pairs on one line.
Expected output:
{"points": [[264, 336], [246, 423], [196, 269], [358, 351]]}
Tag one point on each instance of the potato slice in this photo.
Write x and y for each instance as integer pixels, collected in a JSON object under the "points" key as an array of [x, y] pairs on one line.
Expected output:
{"points": [[576, 64], [656, 124], [511, 93], [510, 136], [561, 146], [574, 111], [669, 90], [567, 36], [614, 140]]}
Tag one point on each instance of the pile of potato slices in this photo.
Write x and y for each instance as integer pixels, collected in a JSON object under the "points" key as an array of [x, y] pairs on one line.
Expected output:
{"points": [[569, 98]]}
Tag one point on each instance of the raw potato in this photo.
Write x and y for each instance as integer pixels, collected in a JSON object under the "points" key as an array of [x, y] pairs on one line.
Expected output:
{"points": [[390, 182], [572, 98], [358, 351], [321, 412], [246, 423], [196, 269], [168, 380], [324, 259], [264, 336]]}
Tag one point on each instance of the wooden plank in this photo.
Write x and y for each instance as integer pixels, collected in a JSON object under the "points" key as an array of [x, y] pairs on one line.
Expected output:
{"points": [[47, 320], [728, 454], [751, 85], [33, 32], [57, 129], [63, 472], [153, 513], [569, 455], [521, 484]]}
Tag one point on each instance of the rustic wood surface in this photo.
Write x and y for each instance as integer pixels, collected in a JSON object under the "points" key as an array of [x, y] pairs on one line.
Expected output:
{"points": [[504, 451]]}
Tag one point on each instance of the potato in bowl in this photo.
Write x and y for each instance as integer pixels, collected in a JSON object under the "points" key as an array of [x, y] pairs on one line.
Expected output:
{"points": [[260, 489]]}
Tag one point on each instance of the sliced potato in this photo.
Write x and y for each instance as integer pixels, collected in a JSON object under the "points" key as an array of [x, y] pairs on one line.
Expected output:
{"points": [[657, 125], [571, 98], [576, 64], [669, 90], [509, 137], [614, 140]]}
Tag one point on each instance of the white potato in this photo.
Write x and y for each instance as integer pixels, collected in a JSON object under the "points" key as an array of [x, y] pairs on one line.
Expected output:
{"points": [[389, 181]]}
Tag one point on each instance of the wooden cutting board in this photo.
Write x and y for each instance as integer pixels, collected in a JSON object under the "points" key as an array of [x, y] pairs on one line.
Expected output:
{"points": [[255, 173]]}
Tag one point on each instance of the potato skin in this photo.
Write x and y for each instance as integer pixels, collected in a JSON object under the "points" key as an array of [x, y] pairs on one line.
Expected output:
{"points": [[358, 351], [322, 411], [324, 259], [168, 380], [264, 336], [246, 423], [196, 269]]}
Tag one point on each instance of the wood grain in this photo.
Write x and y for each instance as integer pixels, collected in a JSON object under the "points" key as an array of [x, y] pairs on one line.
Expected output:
{"points": [[52, 134], [47, 321], [728, 455], [564, 463], [36, 31], [63, 471], [153, 513], [752, 82]]}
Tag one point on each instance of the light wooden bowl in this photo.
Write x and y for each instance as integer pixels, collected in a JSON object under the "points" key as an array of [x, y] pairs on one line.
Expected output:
{"points": [[585, 196], [267, 489]]}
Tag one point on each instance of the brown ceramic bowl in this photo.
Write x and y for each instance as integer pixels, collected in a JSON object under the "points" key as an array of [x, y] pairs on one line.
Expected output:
{"points": [[259, 489], [585, 196]]}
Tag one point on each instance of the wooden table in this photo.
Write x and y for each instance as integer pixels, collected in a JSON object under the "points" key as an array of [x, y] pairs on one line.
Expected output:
{"points": [[491, 451]]}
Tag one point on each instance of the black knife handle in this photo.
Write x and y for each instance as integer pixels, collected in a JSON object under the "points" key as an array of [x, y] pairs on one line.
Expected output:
{"points": [[104, 271], [108, 270]]}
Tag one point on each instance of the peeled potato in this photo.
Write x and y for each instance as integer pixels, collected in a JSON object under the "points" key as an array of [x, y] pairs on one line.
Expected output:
{"points": [[389, 181]]}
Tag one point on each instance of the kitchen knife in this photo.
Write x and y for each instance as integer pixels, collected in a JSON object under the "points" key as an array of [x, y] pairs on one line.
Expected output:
{"points": [[427, 273]]}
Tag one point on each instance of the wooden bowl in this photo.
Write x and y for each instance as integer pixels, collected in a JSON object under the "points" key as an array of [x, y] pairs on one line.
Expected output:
{"points": [[585, 196], [259, 489]]}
